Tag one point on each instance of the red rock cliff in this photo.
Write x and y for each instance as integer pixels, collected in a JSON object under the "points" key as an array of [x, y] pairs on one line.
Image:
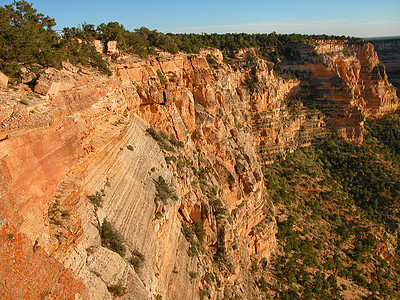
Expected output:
{"points": [[221, 123]]}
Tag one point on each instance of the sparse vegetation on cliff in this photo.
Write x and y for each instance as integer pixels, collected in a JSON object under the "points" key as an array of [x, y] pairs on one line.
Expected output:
{"points": [[56, 214], [212, 62], [162, 139], [111, 238], [96, 199], [117, 290], [137, 259], [221, 236], [161, 76], [164, 191], [194, 235]]}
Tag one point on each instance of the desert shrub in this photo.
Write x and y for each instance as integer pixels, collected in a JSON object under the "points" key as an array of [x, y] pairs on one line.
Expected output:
{"points": [[199, 231], [209, 277], [161, 138], [161, 77], [262, 284], [254, 266], [65, 213], [195, 245], [164, 190], [54, 213], [219, 209], [24, 101], [175, 142], [212, 62], [96, 199], [111, 238], [117, 290], [204, 293], [137, 259]]}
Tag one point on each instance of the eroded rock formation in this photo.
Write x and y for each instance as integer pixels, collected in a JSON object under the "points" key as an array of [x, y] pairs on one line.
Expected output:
{"points": [[214, 125], [389, 53]]}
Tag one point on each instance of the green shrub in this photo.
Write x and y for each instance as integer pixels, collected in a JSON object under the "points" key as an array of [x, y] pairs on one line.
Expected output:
{"points": [[137, 260], [96, 199], [163, 81], [117, 290], [161, 138], [164, 190], [111, 238], [209, 277], [195, 245], [212, 62], [219, 209], [175, 142], [24, 101]]}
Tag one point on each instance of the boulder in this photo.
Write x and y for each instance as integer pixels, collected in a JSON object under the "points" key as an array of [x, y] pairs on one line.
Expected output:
{"points": [[53, 81]]}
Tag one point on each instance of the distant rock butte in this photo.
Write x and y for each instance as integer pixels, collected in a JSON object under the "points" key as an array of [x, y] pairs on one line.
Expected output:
{"points": [[86, 133], [389, 53]]}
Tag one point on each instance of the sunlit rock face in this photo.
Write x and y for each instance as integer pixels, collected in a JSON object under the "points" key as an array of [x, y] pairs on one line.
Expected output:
{"points": [[85, 134]]}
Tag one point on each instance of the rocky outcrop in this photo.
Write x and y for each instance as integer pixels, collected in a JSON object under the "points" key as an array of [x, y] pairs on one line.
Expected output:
{"points": [[174, 147], [112, 47], [3, 80], [99, 45], [346, 82], [389, 54]]}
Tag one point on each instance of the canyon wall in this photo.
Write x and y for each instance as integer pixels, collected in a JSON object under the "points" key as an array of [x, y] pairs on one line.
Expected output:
{"points": [[347, 83], [174, 146], [389, 53]]}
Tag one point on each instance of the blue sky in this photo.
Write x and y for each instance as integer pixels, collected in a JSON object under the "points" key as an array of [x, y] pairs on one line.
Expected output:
{"points": [[352, 17]]}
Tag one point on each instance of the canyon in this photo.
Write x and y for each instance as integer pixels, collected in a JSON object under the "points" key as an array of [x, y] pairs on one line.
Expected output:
{"points": [[389, 54], [175, 147]]}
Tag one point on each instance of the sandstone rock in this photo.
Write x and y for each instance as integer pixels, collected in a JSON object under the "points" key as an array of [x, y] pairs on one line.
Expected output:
{"points": [[41, 275], [3, 80], [114, 271], [112, 47], [226, 133], [53, 81], [99, 46]]}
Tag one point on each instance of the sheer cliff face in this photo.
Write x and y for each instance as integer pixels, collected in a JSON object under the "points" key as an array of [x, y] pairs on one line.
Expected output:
{"points": [[347, 83], [221, 123], [389, 53]]}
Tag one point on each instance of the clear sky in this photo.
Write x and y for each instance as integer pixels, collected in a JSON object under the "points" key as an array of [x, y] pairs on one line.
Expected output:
{"points": [[362, 18]]}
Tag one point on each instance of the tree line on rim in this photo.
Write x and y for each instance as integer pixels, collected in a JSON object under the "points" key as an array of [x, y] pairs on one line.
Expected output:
{"points": [[27, 39]]}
